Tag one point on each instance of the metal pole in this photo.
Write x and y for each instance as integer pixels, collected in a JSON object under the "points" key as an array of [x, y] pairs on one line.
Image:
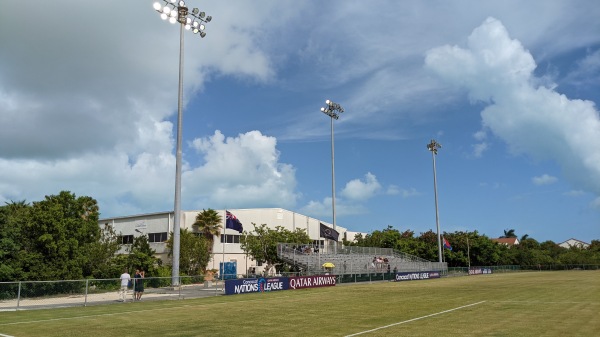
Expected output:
{"points": [[437, 217], [222, 271], [333, 183], [176, 224], [468, 252]]}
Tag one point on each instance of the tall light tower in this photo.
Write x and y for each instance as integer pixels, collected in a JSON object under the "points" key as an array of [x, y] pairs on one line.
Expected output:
{"points": [[433, 146], [332, 110], [177, 12]]}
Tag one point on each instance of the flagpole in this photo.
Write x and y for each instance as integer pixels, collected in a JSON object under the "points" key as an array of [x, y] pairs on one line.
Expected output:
{"points": [[223, 243], [444, 255], [468, 252]]}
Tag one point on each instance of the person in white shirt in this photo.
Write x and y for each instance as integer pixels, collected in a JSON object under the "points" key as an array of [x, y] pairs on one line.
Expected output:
{"points": [[125, 278]]}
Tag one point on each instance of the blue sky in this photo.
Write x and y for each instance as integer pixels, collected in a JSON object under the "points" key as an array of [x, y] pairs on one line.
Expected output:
{"points": [[88, 100]]}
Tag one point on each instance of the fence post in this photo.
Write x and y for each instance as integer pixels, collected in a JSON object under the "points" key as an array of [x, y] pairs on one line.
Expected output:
{"points": [[19, 296], [86, 292]]}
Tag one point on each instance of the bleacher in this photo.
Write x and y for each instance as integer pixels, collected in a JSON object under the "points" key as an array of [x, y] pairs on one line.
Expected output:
{"points": [[353, 260]]}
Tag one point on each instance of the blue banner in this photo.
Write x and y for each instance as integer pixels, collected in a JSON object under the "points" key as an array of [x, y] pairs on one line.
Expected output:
{"points": [[421, 275], [255, 285]]}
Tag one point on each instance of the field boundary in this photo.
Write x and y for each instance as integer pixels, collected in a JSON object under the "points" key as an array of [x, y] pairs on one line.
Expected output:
{"points": [[414, 319]]}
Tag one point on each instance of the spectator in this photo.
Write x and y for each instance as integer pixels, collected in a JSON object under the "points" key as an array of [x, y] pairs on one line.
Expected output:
{"points": [[125, 279], [138, 286]]}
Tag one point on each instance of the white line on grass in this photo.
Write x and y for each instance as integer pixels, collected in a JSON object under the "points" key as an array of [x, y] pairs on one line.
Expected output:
{"points": [[414, 319], [3, 335]]}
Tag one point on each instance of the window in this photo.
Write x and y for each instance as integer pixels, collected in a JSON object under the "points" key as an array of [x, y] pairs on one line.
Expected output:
{"points": [[230, 238], [319, 243], [157, 237], [126, 239]]}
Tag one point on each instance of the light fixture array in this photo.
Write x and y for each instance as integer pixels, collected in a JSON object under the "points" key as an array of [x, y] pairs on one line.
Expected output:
{"points": [[176, 11], [331, 108]]}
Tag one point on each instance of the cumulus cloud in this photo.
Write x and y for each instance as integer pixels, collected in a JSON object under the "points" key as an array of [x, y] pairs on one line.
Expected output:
{"points": [[532, 119], [85, 105], [244, 171], [544, 179], [361, 189], [352, 198]]}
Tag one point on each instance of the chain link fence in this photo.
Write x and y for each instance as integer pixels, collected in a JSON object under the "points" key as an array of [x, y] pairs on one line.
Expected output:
{"points": [[26, 295]]}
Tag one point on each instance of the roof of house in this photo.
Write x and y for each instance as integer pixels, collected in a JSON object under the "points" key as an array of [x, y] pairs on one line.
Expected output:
{"points": [[507, 241]]}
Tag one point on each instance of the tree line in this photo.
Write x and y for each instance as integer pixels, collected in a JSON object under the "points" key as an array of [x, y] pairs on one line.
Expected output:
{"points": [[472, 248], [59, 238]]}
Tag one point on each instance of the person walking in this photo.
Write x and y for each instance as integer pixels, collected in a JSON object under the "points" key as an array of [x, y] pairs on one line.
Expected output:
{"points": [[125, 279]]}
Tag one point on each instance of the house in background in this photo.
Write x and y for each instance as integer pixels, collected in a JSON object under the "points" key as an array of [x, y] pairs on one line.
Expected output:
{"points": [[507, 241], [574, 243]]}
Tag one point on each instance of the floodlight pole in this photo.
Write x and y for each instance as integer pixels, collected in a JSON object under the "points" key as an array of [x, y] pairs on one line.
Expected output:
{"points": [[330, 110], [433, 146], [176, 11]]}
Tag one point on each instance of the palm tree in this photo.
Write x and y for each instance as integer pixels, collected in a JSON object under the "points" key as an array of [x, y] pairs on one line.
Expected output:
{"points": [[208, 223], [509, 233]]}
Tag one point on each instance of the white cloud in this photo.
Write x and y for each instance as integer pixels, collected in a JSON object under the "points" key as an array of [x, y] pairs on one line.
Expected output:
{"points": [[323, 208], [351, 199], [410, 192], [479, 149], [482, 146], [574, 193], [242, 171], [361, 189], [595, 203], [544, 180], [497, 69]]}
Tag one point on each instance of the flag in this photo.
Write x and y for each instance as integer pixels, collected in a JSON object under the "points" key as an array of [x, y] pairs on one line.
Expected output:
{"points": [[233, 223], [447, 244], [329, 233]]}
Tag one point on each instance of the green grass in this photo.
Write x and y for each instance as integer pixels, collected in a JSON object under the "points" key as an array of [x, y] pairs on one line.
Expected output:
{"points": [[563, 303]]}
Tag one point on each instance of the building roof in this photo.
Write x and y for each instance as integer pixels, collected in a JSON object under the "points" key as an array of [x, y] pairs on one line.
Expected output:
{"points": [[574, 243], [507, 241]]}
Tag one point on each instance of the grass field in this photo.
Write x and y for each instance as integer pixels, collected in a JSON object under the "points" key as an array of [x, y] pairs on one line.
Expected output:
{"points": [[563, 303]]}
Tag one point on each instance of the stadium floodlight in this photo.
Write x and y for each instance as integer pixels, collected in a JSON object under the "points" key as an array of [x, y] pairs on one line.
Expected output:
{"points": [[178, 12], [433, 146], [332, 110]]}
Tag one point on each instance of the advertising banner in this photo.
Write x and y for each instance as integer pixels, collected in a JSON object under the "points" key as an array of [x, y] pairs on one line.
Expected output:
{"points": [[421, 275], [255, 285], [301, 282], [480, 271]]}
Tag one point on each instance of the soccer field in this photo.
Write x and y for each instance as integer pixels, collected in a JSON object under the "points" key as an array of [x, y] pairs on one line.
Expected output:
{"points": [[565, 303]]}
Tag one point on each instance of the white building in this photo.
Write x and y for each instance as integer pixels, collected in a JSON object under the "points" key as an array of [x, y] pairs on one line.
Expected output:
{"points": [[574, 243], [157, 227]]}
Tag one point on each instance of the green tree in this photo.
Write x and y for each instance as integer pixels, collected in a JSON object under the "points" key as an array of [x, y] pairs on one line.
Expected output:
{"points": [[208, 223], [12, 217], [102, 254], [428, 249], [57, 236], [261, 244], [142, 256], [193, 252]]}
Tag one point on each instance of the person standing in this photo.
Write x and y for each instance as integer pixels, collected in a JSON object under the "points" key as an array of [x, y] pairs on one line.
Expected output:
{"points": [[138, 284], [125, 278]]}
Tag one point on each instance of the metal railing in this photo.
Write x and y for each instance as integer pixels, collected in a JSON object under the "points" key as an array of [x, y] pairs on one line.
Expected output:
{"points": [[353, 260]]}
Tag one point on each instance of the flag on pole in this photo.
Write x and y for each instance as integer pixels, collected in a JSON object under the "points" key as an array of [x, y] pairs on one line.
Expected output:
{"points": [[447, 244], [329, 233], [232, 222]]}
